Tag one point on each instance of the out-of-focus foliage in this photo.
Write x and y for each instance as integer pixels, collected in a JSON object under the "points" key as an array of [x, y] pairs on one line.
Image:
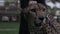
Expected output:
{"points": [[53, 10], [6, 3], [55, 0]]}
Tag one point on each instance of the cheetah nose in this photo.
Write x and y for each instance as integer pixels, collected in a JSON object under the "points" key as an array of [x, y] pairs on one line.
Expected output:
{"points": [[41, 18]]}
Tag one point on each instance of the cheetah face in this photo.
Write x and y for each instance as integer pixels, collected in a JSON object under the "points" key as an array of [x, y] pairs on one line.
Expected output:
{"points": [[37, 11]]}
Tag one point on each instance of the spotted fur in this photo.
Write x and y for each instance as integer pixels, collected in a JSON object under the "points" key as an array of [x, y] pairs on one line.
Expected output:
{"points": [[47, 26]]}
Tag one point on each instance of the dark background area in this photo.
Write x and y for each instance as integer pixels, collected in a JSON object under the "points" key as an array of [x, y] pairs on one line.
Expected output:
{"points": [[24, 3]]}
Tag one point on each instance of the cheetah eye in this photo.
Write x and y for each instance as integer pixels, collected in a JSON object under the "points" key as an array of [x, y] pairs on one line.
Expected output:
{"points": [[33, 10]]}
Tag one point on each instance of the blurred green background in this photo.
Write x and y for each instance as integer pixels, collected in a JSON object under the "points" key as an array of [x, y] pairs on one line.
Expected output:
{"points": [[9, 27]]}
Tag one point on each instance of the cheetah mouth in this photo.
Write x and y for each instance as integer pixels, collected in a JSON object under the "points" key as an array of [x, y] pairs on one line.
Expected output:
{"points": [[39, 21]]}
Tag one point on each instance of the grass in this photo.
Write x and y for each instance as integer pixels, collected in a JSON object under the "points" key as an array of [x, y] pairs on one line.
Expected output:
{"points": [[9, 28]]}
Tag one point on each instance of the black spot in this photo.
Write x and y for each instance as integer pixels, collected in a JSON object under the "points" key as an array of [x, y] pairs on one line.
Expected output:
{"points": [[33, 10], [28, 12], [43, 9]]}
